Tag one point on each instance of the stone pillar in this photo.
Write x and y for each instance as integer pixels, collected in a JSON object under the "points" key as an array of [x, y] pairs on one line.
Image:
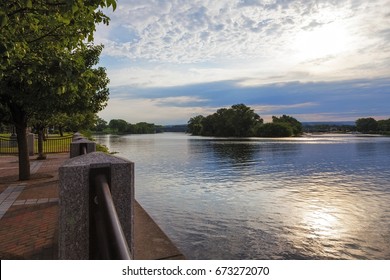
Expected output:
{"points": [[77, 136], [30, 144], [76, 147], [74, 208]]}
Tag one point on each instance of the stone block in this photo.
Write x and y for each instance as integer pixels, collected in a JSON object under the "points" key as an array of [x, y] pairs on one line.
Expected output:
{"points": [[30, 144], [77, 136], [74, 199], [76, 147]]}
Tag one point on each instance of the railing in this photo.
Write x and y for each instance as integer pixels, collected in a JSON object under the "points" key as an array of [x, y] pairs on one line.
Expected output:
{"points": [[109, 238], [8, 145], [55, 144]]}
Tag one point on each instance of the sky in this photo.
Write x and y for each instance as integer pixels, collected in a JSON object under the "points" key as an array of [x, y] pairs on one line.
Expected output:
{"points": [[315, 60]]}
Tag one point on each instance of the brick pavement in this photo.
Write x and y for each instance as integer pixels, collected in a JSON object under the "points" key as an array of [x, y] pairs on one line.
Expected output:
{"points": [[29, 209]]}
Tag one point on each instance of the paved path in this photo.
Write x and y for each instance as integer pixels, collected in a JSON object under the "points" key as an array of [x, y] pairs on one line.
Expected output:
{"points": [[28, 209]]}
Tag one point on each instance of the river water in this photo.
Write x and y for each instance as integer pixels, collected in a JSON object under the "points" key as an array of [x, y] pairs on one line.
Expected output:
{"points": [[313, 197]]}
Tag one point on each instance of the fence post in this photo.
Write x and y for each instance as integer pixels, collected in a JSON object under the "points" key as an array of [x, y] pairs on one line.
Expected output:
{"points": [[74, 201]]}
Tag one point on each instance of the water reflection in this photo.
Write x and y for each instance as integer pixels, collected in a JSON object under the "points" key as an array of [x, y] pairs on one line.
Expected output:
{"points": [[320, 197]]}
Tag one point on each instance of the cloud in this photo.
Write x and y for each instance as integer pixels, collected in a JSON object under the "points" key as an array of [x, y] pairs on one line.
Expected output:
{"points": [[185, 42], [193, 31], [308, 57], [346, 99]]}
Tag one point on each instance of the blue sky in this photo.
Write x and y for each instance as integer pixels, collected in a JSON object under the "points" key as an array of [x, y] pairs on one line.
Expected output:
{"points": [[316, 60]]}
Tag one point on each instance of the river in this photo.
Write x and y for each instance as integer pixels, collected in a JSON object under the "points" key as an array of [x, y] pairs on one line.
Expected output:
{"points": [[314, 197]]}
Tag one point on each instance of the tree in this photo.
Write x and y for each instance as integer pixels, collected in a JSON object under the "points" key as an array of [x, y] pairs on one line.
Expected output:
{"points": [[243, 120], [118, 125], [295, 125], [278, 129], [384, 125], [143, 128], [42, 49], [236, 121], [366, 125], [195, 126], [100, 124]]}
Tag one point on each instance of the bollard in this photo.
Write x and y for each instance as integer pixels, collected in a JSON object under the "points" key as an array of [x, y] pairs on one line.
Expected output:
{"points": [[75, 202], [81, 146], [77, 136], [30, 144]]}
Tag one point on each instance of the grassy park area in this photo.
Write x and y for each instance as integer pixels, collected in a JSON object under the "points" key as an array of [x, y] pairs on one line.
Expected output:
{"points": [[54, 143]]}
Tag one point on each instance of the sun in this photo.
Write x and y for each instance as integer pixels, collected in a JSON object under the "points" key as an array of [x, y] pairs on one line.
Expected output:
{"points": [[324, 41]]}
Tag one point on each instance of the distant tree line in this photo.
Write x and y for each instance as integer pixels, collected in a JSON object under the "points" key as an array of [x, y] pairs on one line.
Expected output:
{"points": [[119, 126], [370, 125], [337, 128], [241, 121]]}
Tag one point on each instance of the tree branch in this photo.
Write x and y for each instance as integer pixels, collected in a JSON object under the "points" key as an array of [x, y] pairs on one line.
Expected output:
{"points": [[46, 35]]}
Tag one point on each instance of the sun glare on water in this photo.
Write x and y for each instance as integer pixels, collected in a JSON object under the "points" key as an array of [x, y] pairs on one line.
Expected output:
{"points": [[322, 223]]}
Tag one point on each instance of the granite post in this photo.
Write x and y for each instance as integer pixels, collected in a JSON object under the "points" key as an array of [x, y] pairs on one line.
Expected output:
{"points": [[76, 147], [30, 144], [77, 136], [74, 199]]}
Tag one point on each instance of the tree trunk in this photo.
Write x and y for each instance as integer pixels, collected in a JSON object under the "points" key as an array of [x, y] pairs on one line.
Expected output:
{"points": [[20, 120], [24, 159]]}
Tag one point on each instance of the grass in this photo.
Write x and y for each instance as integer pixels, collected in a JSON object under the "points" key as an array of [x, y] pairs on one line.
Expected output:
{"points": [[49, 146]]}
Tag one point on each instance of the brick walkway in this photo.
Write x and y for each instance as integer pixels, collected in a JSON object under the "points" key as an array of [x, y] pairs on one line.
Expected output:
{"points": [[29, 209]]}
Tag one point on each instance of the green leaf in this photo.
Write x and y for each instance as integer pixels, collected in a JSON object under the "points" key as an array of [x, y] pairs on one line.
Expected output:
{"points": [[28, 3], [3, 48], [29, 71], [75, 8], [3, 19], [113, 5]]}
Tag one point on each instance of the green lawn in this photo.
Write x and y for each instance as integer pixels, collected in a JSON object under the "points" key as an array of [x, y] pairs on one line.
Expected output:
{"points": [[54, 144]]}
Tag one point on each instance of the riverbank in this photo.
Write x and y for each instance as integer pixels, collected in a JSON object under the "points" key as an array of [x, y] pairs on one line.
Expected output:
{"points": [[29, 215]]}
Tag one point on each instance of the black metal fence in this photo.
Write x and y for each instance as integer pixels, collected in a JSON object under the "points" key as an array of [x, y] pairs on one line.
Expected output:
{"points": [[8, 145], [55, 144]]}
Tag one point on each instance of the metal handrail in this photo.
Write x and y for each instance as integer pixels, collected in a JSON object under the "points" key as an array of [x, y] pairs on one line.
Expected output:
{"points": [[83, 149], [112, 239]]}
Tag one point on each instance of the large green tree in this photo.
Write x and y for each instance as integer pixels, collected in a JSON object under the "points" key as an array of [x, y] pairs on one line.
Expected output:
{"points": [[41, 43], [384, 125], [118, 126], [83, 95], [366, 125], [195, 126], [295, 125], [237, 121]]}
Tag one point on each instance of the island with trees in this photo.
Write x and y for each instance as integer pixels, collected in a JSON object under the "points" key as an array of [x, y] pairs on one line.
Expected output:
{"points": [[241, 121], [372, 126]]}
